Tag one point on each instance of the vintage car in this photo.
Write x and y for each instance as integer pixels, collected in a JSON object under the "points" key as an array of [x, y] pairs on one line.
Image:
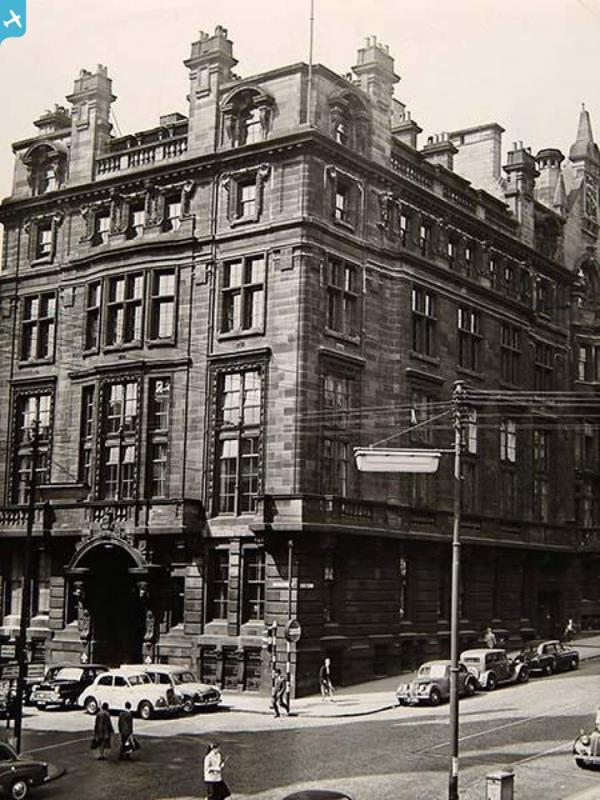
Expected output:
{"points": [[432, 684], [18, 774], [194, 694], [491, 667], [317, 794], [548, 657], [119, 686], [586, 749], [63, 684]]}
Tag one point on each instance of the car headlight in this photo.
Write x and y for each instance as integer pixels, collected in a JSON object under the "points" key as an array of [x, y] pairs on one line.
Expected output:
{"points": [[585, 740], [423, 688], [161, 702]]}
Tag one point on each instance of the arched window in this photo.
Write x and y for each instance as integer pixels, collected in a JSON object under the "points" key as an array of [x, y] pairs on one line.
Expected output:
{"points": [[247, 116], [46, 165], [350, 121]]}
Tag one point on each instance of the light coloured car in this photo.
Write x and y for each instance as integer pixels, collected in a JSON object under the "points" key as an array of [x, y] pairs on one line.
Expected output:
{"points": [[119, 686], [432, 684], [194, 694], [492, 667]]}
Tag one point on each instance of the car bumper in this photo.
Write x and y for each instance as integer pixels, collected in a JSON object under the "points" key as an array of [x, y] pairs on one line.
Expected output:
{"points": [[588, 762]]}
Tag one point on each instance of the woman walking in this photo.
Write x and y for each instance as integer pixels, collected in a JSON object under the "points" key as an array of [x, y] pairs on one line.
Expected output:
{"points": [[103, 731], [216, 788]]}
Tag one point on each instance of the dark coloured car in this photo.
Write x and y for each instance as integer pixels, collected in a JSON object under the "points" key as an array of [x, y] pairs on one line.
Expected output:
{"points": [[432, 684], [63, 684], [549, 656], [317, 794], [19, 774], [586, 749]]}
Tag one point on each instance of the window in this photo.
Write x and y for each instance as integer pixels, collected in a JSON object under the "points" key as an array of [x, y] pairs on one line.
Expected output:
{"points": [[47, 179], [40, 585], [508, 440], [101, 227], [541, 463], [423, 322], [508, 489], [87, 434], [424, 238], [341, 204], [218, 584], [34, 411], [341, 132], [543, 367], [585, 446], [252, 127], [137, 221], [158, 427], [469, 339], [423, 405], [510, 354], [582, 362], [586, 508], [509, 278], [339, 392], [451, 250], [162, 305], [177, 599], [333, 589], [119, 441], [468, 256], [44, 240], [246, 199], [37, 329], [243, 295], [493, 271], [173, 214], [92, 316], [471, 433], [253, 589], [543, 296], [342, 298], [239, 405], [403, 224], [124, 310]]}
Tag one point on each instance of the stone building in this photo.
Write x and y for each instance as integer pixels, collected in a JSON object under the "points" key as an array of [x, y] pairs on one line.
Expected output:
{"points": [[201, 320]]}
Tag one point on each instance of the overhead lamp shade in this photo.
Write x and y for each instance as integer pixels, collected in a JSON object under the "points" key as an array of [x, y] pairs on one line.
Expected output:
{"points": [[375, 459]]}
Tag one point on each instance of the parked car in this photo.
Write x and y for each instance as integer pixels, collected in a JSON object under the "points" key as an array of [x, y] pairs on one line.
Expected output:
{"points": [[548, 657], [432, 684], [586, 749], [194, 694], [63, 684], [19, 774], [116, 687], [317, 794], [492, 667]]}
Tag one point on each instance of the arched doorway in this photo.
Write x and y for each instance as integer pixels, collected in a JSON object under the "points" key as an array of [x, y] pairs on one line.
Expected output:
{"points": [[114, 605]]}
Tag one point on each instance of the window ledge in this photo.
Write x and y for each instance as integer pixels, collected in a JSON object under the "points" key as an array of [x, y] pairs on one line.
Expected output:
{"points": [[38, 262], [112, 348], [240, 334], [471, 373], [344, 337], [349, 226], [38, 362], [424, 357], [244, 220], [170, 342]]}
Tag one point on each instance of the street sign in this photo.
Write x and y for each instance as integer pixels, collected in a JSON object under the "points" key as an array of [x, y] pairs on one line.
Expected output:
{"points": [[293, 631]]}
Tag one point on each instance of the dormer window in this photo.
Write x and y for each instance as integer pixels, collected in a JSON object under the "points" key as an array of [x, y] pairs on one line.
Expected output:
{"points": [[101, 227], [251, 130], [44, 238], [173, 214], [341, 132], [247, 115], [46, 163], [48, 181], [350, 121]]}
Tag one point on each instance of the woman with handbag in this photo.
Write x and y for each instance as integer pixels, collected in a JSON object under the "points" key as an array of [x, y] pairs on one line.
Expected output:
{"points": [[216, 788]]}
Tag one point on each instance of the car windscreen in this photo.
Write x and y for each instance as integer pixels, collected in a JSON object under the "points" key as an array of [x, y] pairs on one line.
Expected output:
{"points": [[183, 677], [137, 680], [68, 674], [432, 671], [471, 660]]}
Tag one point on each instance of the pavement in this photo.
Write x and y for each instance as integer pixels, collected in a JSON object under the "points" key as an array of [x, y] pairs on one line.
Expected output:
{"points": [[365, 699]]}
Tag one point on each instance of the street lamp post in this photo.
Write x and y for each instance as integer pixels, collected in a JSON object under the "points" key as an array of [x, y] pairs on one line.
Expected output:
{"points": [[426, 461]]}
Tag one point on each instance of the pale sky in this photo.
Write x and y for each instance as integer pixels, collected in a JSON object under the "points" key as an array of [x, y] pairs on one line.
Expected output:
{"points": [[527, 64]]}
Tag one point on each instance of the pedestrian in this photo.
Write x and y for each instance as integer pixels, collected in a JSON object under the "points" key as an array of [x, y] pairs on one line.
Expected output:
{"points": [[126, 733], [325, 681], [103, 731], [216, 788], [569, 630], [489, 638], [279, 692]]}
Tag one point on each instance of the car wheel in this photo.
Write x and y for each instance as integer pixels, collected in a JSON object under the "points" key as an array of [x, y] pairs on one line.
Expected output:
{"points": [[91, 705], [188, 705], [549, 668], [145, 709], [19, 789], [523, 675], [470, 688], [574, 663], [41, 707], [435, 698], [580, 763], [491, 682]]}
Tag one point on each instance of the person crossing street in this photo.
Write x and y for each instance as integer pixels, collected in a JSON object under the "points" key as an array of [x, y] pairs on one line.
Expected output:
{"points": [[278, 693]]}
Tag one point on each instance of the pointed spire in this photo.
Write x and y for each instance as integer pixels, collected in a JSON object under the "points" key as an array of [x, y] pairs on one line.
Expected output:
{"points": [[584, 146], [559, 201]]}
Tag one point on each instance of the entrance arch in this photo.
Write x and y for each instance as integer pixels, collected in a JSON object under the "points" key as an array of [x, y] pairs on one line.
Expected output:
{"points": [[112, 599]]}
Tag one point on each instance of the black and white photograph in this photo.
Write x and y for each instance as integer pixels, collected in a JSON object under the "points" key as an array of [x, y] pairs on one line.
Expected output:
{"points": [[300, 400]]}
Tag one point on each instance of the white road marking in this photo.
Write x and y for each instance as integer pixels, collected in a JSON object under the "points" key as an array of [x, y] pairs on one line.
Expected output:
{"points": [[58, 744]]}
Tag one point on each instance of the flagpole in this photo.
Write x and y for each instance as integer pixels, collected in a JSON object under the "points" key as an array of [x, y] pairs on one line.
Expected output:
{"points": [[310, 64]]}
